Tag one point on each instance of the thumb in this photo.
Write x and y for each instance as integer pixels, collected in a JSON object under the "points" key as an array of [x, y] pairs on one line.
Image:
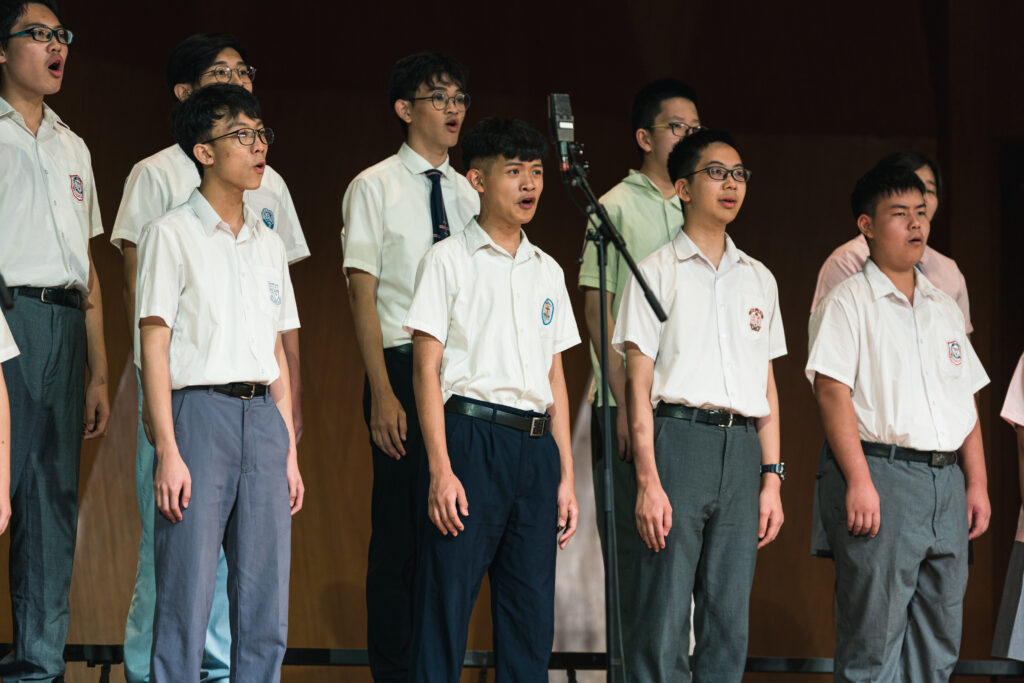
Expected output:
{"points": [[186, 492], [463, 504]]}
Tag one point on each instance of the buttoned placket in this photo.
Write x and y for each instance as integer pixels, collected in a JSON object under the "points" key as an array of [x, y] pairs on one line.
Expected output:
{"points": [[51, 202], [929, 379], [517, 280]]}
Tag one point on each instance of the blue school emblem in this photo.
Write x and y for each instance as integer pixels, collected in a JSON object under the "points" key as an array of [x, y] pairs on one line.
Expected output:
{"points": [[547, 311], [268, 218], [275, 293], [954, 352], [77, 188]]}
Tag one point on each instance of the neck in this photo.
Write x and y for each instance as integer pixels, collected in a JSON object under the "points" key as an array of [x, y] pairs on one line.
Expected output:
{"points": [[225, 199], [902, 278], [658, 175], [433, 153], [30, 106], [506, 235], [708, 236]]}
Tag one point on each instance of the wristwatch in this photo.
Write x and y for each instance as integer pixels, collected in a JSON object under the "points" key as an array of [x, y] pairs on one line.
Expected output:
{"points": [[779, 469]]}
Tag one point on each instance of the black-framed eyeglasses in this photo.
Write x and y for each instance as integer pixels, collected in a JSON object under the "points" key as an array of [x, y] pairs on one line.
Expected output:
{"points": [[44, 34], [720, 173], [222, 74], [247, 136], [679, 129], [441, 99]]}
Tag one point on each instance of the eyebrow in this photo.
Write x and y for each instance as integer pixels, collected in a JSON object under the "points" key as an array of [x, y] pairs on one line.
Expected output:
{"points": [[38, 24], [907, 206], [722, 164]]}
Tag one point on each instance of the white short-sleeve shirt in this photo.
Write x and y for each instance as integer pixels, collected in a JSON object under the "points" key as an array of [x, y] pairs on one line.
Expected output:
{"points": [[911, 369], [724, 326], [850, 257], [48, 205], [501, 318], [388, 228], [8, 349], [1013, 412], [166, 179], [224, 298]]}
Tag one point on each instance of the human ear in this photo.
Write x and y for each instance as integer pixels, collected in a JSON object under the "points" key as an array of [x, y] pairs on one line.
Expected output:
{"points": [[682, 188], [203, 154], [182, 91], [476, 179], [403, 108], [643, 139]]}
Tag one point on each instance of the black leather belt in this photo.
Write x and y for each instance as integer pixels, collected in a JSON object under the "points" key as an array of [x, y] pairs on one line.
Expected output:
{"points": [[718, 418], [72, 298], [931, 458], [535, 426], [244, 390]]}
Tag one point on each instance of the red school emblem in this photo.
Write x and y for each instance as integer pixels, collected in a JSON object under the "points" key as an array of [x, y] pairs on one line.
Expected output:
{"points": [[756, 318], [954, 352], [77, 187]]}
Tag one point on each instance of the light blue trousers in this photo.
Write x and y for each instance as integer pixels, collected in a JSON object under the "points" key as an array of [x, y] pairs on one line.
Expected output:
{"points": [[138, 632]]}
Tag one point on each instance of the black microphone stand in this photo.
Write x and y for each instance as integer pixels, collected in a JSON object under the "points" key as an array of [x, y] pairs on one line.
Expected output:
{"points": [[602, 232]]}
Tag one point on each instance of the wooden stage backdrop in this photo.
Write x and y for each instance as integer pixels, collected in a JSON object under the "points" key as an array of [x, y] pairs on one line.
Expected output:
{"points": [[815, 93]]}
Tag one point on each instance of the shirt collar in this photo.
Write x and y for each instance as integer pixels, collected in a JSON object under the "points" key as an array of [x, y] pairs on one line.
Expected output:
{"points": [[211, 220], [639, 180], [881, 285], [417, 164], [50, 118], [477, 238], [685, 248]]}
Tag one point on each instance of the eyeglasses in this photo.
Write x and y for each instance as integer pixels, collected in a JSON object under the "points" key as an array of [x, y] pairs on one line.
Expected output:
{"points": [[441, 99], [679, 129], [44, 34], [222, 74], [247, 136], [719, 173]]}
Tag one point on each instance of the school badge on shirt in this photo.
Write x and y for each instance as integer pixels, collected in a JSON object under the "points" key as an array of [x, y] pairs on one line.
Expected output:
{"points": [[547, 311], [275, 293], [756, 318], [954, 352], [268, 218], [77, 188]]}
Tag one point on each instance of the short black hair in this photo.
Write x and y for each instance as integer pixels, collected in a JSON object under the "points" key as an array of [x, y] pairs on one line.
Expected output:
{"points": [[196, 54], [684, 157], [882, 182], [912, 161], [12, 10], [193, 119], [429, 68], [647, 101], [510, 138]]}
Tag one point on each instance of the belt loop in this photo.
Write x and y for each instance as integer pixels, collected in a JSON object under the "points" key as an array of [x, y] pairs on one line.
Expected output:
{"points": [[693, 416], [892, 453]]}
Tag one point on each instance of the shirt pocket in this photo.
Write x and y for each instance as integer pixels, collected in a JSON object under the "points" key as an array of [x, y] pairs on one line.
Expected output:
{"points": [[752, 316], [951, 354], [269, 291]]}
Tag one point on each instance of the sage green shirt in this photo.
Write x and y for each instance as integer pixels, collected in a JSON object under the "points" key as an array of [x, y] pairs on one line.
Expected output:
{"points": [[647, 221]]}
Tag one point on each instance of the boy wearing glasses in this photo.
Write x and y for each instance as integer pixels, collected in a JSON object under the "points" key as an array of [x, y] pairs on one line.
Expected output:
{"points": [[48, 213], [895, 376], [645, 209], [156, 185], [490, 319], [707, 457], [392, 212], [214, 298]]}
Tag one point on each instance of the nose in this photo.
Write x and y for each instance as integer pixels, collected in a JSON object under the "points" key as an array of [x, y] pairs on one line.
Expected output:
{"points": [[730, 181], [449, 107]]}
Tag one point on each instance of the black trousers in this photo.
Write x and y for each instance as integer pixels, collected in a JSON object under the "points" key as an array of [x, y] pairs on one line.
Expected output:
{"points": [[391, 567]]}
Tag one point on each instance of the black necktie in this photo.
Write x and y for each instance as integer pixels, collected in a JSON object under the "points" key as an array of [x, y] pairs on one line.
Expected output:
{"points": [[437, 212]]}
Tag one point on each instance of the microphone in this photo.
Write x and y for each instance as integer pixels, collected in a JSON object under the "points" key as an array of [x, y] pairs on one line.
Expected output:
{"points": [[562, 131]]}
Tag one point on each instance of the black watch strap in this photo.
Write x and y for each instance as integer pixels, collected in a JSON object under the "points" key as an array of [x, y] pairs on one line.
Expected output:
{"points": [[779, 469]]}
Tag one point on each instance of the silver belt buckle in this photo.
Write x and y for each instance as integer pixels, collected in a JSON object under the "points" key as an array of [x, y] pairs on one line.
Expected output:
{"points": [[537, 425], [725, 424], [939, 459], [42, 296], [252, 392]]}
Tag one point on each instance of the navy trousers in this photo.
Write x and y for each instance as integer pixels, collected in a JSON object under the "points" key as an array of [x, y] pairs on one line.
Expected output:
{"points": [[46, 386], [511, 483]]}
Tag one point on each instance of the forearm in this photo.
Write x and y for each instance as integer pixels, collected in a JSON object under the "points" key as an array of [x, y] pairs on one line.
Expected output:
{"points": [[639, 377], [839, 419], [768, 427], [95, 343], [156, 383], [290, 344], [429, 404], [972, 459], [559, 411], [363, 301], [280, 390], [128, 290], [616, 370]]}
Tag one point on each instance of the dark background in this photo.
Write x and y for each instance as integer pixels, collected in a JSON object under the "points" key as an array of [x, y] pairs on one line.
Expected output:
{"points": [[814, 92]]}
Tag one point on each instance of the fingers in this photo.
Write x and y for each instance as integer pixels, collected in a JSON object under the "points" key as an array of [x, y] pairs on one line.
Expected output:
{"points": [[397, 435], [772, 526], [874, 523], [296, 494], [860, 523], [977, 520], [568, 516], [666, 523], [402, 431], [382, 440], [460, 496], [186, 493]]}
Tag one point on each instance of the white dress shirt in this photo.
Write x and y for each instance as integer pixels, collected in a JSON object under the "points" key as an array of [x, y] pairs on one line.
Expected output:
{"points": [[723, 327], [224, 298], [501, 318], [8, 349], [166, 179], [850, 257], [911, 369], [388, 228], [1013, 412], [48, 204]]}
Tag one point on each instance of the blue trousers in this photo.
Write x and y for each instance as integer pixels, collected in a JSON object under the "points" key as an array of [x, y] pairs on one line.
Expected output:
{"points": [[236, 452], [46, 385], [138, 631], [511, 483]]}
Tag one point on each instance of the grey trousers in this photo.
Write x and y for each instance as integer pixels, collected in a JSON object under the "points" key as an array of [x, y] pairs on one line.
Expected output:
{"points": [[236, 453], [46, 388], [899, 595], [712, 479]]}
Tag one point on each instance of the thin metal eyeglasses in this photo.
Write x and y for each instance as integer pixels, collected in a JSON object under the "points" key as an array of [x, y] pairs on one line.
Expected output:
{"points": [[679, 129], [44, 34], [222, 74], [247, 136], [720, 173], [440, 100]]}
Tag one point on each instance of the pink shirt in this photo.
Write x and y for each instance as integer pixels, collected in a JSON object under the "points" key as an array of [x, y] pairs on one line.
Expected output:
{"points": [[849, 258], [1013, 412]]}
